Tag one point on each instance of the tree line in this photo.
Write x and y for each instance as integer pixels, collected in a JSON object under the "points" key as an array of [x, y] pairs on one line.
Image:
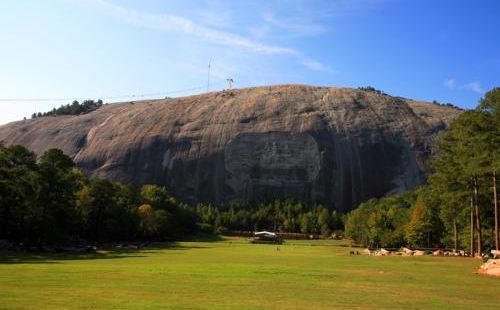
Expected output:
{"points": [[278, 215], [75, 108], [372, 89], [447, 104], [48, 201], [458, 207]]}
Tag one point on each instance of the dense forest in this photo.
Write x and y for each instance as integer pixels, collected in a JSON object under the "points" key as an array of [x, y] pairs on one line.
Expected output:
{"points": [[49, 201], [75, 108], [279, 215], [459, 206]]}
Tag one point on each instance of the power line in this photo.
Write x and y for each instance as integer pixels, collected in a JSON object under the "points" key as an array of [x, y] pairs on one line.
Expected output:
{"points": [[103, 97]]}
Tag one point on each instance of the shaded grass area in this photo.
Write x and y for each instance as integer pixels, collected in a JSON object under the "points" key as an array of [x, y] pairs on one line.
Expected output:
{"points": [[109, 253], [232, 274]]}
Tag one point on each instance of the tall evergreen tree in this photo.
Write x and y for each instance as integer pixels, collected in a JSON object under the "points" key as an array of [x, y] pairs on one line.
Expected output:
{"points": [[449, 186], [490, 107], [18, 185], [56, 197]]}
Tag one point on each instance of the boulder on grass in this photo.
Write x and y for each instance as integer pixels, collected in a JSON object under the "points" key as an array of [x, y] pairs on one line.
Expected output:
{"points": [[385, 252], [437, 253], [407, 252], [491, 268], [495, 253]]}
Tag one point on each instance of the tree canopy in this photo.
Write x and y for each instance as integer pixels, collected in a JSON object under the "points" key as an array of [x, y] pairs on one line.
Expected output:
{"points": [[75, 108]]}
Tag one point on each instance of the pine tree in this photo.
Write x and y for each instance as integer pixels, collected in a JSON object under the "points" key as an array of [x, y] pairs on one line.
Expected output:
{"points": [[489, 106]]}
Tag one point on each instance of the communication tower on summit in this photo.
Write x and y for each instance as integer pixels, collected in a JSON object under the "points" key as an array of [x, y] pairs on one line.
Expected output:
{"points": [[208, 78]]}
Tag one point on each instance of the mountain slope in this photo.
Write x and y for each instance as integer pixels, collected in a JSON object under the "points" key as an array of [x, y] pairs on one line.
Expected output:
{"points": [[338, 146]]}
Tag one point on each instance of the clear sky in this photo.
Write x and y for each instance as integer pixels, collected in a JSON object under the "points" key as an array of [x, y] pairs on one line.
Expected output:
{"points": [[444, 50]]}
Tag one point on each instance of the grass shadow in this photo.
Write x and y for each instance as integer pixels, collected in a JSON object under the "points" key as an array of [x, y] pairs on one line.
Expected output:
{"points": [[53, 258], [153, 246], [11, 257], [203, 237]]}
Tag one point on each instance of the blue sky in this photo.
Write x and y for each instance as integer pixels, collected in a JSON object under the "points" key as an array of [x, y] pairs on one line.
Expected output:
{"points": [[63, 49]]}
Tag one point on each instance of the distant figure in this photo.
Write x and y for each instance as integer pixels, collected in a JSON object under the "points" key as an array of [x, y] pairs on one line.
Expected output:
{"points": [[278, 248]]}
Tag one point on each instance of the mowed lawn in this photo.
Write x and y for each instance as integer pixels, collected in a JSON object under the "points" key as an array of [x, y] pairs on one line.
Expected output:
{"points": [[233, 274]]}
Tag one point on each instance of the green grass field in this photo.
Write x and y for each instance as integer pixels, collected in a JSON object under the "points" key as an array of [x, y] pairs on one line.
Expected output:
{"points": [[233, 274]]}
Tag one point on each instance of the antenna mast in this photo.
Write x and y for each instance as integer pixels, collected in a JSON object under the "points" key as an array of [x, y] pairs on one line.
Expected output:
{"points": [[208, 78], [229, 83]]}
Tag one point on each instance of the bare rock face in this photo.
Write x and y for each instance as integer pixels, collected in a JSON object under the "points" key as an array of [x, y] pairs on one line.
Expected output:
{"points": [[276, 163], [337, 146]]}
